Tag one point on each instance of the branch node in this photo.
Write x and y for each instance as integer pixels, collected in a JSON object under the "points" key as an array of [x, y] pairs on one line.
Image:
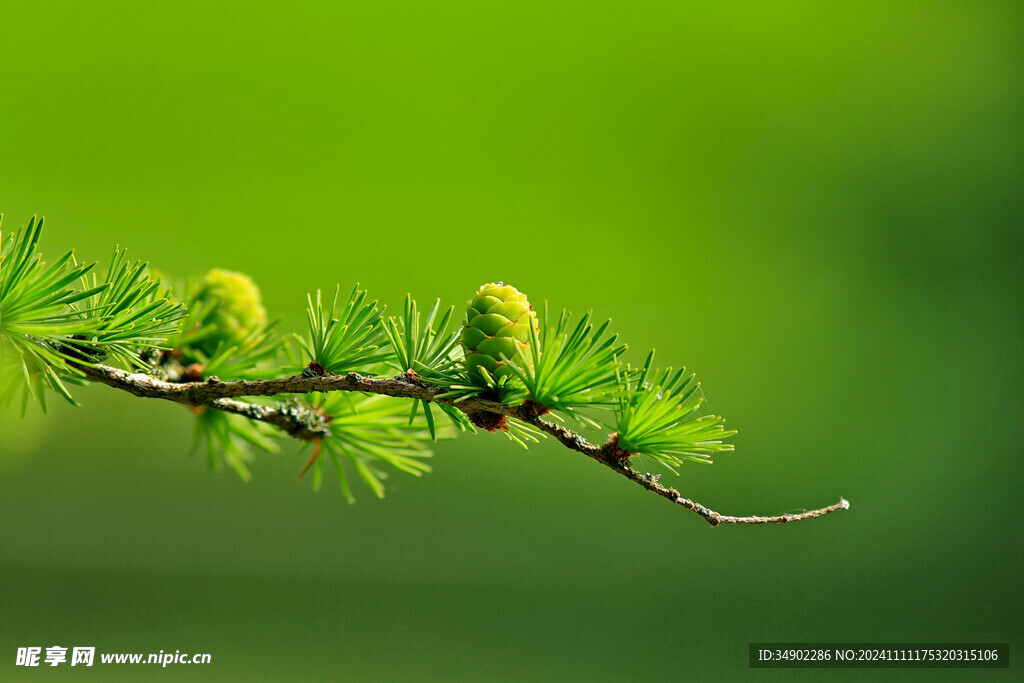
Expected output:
{"points": [[613, 452], [533, 409], [492, 422], [314, 370], [193, 373]]}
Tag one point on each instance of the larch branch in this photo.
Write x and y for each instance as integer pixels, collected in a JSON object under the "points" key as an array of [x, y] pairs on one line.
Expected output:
{"points": [[302, 422]]}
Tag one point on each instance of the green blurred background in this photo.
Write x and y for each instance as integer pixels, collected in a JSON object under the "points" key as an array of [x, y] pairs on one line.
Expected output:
{"points": [[816, 206]]}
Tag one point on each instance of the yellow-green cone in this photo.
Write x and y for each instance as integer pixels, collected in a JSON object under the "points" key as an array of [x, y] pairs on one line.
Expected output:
{"points": [[498, 321], [239, 308]]}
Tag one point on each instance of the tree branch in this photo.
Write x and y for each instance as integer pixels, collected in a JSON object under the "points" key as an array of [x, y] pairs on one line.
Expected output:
{"points": [[302, 422]]}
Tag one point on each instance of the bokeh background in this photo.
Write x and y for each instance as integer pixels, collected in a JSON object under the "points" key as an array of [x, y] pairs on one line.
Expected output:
{"points": [[816, 206]]}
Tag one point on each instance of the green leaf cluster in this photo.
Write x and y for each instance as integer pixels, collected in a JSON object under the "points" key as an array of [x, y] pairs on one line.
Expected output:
{"points": [[657, 416], [368, 433], [231, 439], [426, 349], [348, 340], [571, 366], [55, 319], [136, 314]]}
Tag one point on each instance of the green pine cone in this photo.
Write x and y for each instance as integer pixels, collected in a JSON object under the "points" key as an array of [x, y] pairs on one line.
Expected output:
{"points": [[239, 309], [498, 323]]}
